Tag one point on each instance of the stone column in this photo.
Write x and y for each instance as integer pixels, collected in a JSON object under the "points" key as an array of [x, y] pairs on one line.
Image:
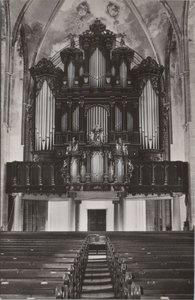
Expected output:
{"points": [[179, 211], [81, 114], [121, 212], [77, 214], [69, 116], [124, 115], [18, 213], [106, 166], [71, 215], [112, 116], [116, 203]]}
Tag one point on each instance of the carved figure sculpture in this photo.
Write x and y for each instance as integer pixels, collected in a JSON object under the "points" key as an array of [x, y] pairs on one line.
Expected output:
{"points": [[96, 134]]}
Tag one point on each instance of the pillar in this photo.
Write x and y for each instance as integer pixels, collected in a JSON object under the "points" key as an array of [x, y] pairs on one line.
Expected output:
{"points": [[69, 116], [18, 213], [124, 116], [77, 214], [81, 115], [121, 213], [71, 214], [112, 116], [115, 202], [179, 211]]}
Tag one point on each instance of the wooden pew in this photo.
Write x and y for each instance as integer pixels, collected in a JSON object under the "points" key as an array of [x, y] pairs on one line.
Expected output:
{"points": [[32, 265], [162, 264]]}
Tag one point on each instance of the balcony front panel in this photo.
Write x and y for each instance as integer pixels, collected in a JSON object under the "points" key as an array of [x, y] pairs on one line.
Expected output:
{"points": [[147, 177]]}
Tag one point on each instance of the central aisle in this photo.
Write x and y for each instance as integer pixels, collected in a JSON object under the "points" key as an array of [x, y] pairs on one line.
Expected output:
{"points": [[97, 282]]}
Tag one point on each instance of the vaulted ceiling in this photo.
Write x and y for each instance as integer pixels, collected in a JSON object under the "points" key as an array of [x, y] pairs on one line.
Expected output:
{"points": [[48, 23]]}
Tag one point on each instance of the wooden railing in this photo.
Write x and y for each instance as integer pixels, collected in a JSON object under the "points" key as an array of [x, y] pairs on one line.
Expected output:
{"points": [[73, 279], [122, 280], [147, 177]]}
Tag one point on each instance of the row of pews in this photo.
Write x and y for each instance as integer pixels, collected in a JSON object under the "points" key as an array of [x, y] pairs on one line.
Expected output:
{"points": [[159, 265], [162, 263], [32, 265]]}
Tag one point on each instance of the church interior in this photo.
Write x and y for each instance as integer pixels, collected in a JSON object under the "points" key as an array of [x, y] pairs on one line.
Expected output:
{"points": [[97, 149]]}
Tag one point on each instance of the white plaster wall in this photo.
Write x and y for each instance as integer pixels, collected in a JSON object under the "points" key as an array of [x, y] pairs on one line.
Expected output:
{"points": [[11, 148], [178, 212], [135, 215], [96, 204], [58, 216]]}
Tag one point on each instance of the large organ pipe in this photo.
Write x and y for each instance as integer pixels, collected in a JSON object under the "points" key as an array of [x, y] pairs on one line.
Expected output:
{"points": [[71, 74], [149, 98], [53, 121], [47, 118], [153, 121], [97, 68], [50, 119], [44, 116], [157, 115], [123, 74], [149, 118], [44, 119]]}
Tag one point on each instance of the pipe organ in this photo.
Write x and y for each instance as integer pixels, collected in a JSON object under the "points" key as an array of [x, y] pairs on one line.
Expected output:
{"points": [[97, 117]]}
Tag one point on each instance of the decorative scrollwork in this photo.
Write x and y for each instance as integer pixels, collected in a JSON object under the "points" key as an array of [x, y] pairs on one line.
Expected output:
{"points": [[97, 35], [64, 170], [148, 69], [130, 169]]}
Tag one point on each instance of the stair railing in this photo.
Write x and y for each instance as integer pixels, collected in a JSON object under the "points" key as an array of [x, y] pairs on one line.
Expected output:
{"points": [[123, 281], [71, 287]]}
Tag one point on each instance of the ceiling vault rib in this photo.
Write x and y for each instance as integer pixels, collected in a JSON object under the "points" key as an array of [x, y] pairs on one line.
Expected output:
{"points": [[136, 12], [19, 20], [186, 66], [45, 30], [173, 20]]}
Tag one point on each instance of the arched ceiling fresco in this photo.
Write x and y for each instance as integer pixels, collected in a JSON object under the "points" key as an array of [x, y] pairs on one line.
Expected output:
{"points": [[48, 23]]}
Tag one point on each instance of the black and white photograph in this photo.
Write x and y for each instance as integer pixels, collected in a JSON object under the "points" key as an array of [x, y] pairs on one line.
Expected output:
{"points": [[97, 149]]}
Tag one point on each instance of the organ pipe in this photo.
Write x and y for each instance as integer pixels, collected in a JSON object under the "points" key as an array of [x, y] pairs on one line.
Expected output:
{"points": [[44, 119], [97, 167], [123, 74], [97, 115], [64, 127], [149, 118], [97, 69], [71, 74]]}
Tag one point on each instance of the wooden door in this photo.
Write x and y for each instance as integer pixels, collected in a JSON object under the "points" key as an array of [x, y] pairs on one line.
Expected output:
{"points": [[96, 219], [35, 215]]}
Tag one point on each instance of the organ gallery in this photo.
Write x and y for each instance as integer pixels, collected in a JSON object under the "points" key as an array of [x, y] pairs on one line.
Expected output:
{"points": [[98, 138]]}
